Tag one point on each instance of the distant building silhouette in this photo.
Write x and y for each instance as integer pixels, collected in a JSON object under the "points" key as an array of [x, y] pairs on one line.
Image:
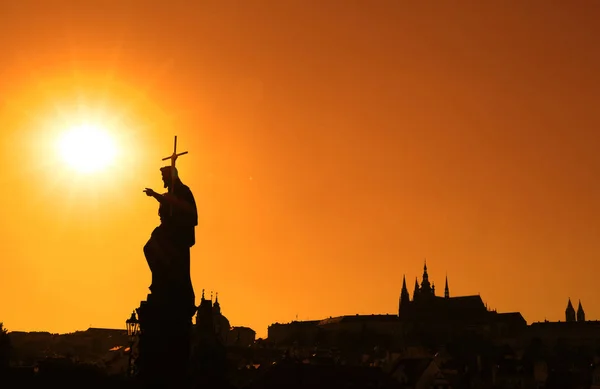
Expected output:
{"points": [[210, 319], [425, 302], [209, 315], [209, 355], [446, 289], [580, 313], [425, 313], [575, 330], [241, 337], [286, 333], [570, 312], [404, 297], [205, 323], [571, 315]]}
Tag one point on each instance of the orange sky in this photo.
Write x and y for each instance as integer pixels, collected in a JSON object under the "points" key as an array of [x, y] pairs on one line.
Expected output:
{"points": [[375, 134]]}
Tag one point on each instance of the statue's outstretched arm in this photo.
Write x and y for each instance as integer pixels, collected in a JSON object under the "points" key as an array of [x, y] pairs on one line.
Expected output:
{"points": [[172, 200]]}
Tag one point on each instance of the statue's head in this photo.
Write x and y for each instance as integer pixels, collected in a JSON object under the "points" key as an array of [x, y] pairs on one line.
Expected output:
{"points": [[168, 172]]}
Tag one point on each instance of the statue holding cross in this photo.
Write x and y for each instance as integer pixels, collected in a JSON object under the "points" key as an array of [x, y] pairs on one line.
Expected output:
{"points": [[173, 157], [168, 249]]}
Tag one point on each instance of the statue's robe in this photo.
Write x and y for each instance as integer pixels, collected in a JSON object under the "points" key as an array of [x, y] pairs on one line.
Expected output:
{"points": [[168, 250]]}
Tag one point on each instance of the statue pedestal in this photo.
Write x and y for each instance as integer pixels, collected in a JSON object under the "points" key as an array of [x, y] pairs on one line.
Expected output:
{"points": [[209, 361], [164, 343]]}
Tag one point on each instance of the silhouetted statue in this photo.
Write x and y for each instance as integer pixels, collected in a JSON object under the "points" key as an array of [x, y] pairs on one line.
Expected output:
{"points": [[168, 249], [166, 317]]}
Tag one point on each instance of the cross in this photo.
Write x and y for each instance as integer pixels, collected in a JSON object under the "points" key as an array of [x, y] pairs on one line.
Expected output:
{"points": [[173, 157]]}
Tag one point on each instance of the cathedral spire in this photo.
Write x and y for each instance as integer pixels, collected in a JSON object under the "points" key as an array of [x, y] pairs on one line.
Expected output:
{"points": [[425, 285], [570, 312], [446, 289], [404, 297], [580, 312], [416, 291], [404, 288], [216, 305]]}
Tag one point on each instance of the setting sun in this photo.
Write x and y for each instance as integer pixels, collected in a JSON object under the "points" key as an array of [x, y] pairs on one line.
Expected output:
{"points": [[87, 148]]}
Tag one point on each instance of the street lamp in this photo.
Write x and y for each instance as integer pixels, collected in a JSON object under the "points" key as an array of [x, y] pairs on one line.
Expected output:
{"points": [[133, 329]]}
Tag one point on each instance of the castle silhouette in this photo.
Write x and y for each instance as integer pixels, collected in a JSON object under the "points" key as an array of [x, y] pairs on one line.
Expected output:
{"points": [[426, 310]]}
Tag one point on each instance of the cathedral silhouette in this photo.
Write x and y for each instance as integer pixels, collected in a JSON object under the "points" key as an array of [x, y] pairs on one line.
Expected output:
{"points": [[428, 310], [570, 314]]}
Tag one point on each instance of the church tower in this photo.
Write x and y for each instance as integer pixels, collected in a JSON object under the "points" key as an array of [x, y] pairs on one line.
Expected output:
{"points": [[204, 317], [580, 312], [404, 298], [416, 290], [570, 312], [446, 289], [216, 306], [425, 285]]}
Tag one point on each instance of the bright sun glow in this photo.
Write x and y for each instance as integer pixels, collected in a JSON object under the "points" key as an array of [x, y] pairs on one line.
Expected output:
{"points": [[87, 148]]}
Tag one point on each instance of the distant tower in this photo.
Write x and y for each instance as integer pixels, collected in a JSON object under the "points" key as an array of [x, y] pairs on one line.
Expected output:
{"points": [[209, 357], [580, 312], [216, 306], [446, 289], [404, 298], [204, 315], [198, 313], [433, 288], [570, 312], [425, 285], [416, 291]]}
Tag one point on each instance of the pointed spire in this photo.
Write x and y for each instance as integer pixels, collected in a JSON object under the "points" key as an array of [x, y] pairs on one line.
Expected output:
{"points": [[404, 296], [446, 289], [216, 305], [570, 312], [433, 288], [425, 284], [570, 305], [416, 290], [580, 312], [202, 294], [211, 296]]}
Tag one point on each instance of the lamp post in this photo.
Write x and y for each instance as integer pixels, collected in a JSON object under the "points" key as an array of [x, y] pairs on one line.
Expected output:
{"points": [[133, 328]]}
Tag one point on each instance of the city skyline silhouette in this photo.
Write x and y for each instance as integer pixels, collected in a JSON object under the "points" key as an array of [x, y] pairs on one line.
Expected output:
{"points": [[332, 149]]}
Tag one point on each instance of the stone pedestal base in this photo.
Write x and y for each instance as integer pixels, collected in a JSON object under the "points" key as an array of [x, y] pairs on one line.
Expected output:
{"points": [[209, 365], [164, 343]]}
